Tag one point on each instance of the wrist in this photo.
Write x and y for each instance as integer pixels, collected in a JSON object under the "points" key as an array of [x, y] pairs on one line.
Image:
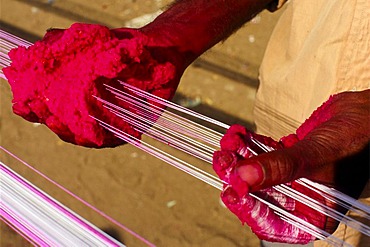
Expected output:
{"points": [[193, 26]]}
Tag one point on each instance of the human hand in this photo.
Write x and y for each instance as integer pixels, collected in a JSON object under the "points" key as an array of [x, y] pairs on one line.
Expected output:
{"points": [[335, 134], [158, 61], [57, 80], [152, 58], [237, 145]]}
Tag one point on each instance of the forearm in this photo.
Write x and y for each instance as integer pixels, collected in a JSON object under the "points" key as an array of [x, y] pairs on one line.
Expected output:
{"points": [[193, 26]]}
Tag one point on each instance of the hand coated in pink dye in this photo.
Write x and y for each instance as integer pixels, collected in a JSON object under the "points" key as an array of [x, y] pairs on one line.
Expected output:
{"points": [[53, 81], [267, 225]]}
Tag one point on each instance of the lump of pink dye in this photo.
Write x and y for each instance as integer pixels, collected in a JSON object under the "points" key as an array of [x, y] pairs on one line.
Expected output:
{"points": [[54, 80]]}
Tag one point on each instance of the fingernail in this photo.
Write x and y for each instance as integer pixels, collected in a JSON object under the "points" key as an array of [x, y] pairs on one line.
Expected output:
{"points": [[223, 159], [229, 196], [239, 185], [251, 173], [226, 159]]}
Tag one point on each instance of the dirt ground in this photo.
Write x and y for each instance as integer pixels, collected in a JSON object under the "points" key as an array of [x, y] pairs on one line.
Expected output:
{"points": [[159, 202]]}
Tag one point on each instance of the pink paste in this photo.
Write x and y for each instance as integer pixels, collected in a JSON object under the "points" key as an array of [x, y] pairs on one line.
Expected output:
{"points": [[54, 80]]}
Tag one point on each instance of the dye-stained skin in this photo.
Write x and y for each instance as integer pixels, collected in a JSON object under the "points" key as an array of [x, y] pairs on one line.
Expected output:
{"points": [[237, 145], [330, 147], [53, 81]]}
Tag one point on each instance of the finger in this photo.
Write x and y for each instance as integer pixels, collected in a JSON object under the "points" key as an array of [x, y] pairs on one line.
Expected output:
{"points": [[232, 142], [268, 169], [238, 144], [241, 206], [222, 160], [237, 129], [252, 173], [224, 165], [262, 220]]}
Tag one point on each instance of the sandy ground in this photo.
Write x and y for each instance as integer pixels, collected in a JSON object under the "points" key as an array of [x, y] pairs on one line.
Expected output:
{"points": [[162, 204]]}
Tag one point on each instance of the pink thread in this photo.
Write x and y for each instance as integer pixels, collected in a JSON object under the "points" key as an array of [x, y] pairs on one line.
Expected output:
{"points": [[80, 199]]}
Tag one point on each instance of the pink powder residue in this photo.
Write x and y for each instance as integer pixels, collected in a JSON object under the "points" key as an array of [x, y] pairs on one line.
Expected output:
{"points": [[319, 116], [54, 80]]}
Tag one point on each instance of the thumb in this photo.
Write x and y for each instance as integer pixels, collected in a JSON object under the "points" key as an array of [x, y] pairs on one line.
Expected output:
{"points": [[268, 169]]}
